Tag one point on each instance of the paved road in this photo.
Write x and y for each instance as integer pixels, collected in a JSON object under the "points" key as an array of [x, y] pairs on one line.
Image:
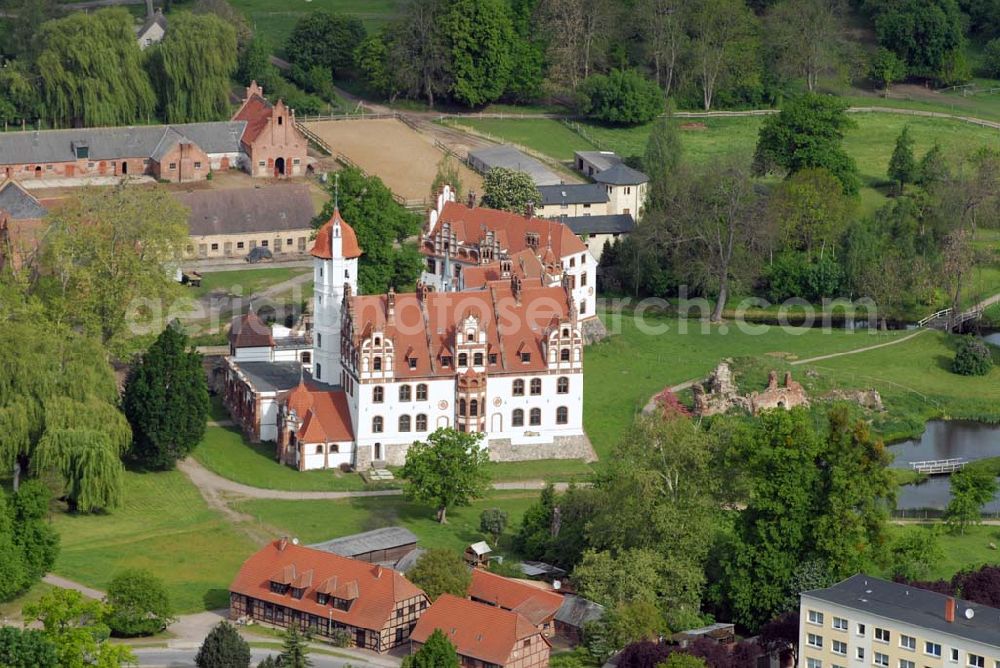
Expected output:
{"points": [[171, 658]]}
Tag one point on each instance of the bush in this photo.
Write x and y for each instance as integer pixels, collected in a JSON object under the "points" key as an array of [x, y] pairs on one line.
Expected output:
{"points": [[223, 646], [138, 604], [991, 58], [972, 358], [340, 638], [623, 96]]}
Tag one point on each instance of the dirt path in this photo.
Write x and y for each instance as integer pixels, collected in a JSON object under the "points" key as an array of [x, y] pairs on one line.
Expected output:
{"points": [[64, 583]]}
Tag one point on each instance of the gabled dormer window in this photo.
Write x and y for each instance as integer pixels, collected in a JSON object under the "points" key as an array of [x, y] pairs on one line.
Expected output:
{"points": [[446, 360], [525, 358], [321, 598], [341, 604], [413, 362], [297, 592], [278, 587]]}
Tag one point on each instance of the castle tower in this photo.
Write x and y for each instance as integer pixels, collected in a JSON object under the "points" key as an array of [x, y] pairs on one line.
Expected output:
{"points": [[335, 266]]}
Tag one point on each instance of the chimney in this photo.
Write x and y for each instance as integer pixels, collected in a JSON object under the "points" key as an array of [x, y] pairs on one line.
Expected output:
{"points": [[515, 287], [529, 210], [149, 9], [390, 306], [283, 543], [472, 199], [949, 610], [377, 572]]}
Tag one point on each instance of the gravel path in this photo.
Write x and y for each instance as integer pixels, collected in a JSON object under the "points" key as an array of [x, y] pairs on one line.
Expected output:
{"points": [[59, 581]]}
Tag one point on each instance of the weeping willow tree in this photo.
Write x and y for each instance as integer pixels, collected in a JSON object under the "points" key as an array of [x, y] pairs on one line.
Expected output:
{"points": [[91, 71], [58, 411], [192, 66]]}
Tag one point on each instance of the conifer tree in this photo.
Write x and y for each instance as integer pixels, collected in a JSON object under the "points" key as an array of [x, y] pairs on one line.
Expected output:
{"points": [[295, 650], [166, 401], [902, 164], [223, 648]]}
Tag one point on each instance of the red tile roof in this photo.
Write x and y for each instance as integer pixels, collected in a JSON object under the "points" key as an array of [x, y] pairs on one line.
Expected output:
{"points": [[249, 331], [476, 630], [324, 414], [350, 247], [375, 589], [525, 264], [471, 224], [536, 605], [423, 329], [256, 111]]}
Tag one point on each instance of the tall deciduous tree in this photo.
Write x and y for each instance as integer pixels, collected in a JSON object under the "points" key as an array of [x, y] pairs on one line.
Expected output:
{"points": [[437, 652], [809, 212], [448, 469], [382, 226], [925, 34], [724, 44], [806, 37], [223, 646], [58, 408], [903, 165], [809, 132], [622, 97], [192, 67], [478, 35], [418, 53], [886, 69], [166, 400], [664, 38], [25, 648], [661, 161], [971, 489], [326, 40], [33, 533], [108, 252], [138, 604], [91, 70], [510, 190], [439, 572], [73, 624]]}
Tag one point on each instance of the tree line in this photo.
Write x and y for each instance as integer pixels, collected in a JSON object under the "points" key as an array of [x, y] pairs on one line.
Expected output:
{"points": [[703, 54], [718, 232]]}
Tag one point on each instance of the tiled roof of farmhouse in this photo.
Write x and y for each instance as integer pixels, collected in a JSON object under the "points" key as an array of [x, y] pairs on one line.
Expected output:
{"points": [[536, 605], [323, 412], [19, 203], [242, 210], [256, 111], [375, 590], [525, 264], [476, 630], [423, 328], [349, 246], [48, 146], [470, 225]]}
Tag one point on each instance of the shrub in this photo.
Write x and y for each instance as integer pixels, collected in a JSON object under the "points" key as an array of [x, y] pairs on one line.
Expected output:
{"points": [[340, 638], [991, 58], [138, 604], [973, 358], [623, 96], [223, 646]]}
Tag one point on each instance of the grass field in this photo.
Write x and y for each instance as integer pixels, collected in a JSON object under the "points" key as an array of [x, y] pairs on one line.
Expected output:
{"points": [[245, 282], [959, 550], [275, 19], [706, 140], [315, 521], [166, 527]]}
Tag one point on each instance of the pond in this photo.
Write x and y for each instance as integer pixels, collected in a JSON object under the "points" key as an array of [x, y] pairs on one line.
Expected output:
{"points": [[993, 337], [944, 440]]}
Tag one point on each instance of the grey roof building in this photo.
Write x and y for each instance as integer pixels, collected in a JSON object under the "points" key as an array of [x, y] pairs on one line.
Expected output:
{"points": [[140, 141], [573, 193], [485, 159], [388, 545], [621, 175], [597, 160], [273, 376], [18, 203], [619, 223], [246, 210]]}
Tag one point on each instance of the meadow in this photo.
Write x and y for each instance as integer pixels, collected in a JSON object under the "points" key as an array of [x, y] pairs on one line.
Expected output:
{"points": [[958, 551], [275, 20]]}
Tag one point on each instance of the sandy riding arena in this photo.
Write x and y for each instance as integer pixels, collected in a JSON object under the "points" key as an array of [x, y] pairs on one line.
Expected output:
{"points": [[403, 158]]}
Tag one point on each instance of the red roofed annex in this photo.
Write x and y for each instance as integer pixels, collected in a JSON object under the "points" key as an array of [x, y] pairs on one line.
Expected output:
{"points": [[287, 584]]}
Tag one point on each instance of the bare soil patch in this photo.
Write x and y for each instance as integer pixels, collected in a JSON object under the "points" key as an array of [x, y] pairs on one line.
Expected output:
{"points": [[403, 158], [694, 126]]}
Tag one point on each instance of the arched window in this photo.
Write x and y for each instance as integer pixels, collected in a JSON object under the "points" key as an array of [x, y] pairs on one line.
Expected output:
{"points": [[461, 406], [404, 392], [334, 448], [474, 407], [378, 394], [562, 385], [377, 363], [377, 424], [535, 417], [404, 423], [319, 449], [564, 355], [477, 359], [536, 386], [519, 387], [562, 415], [421, 392], [463, 359], [517, 418], [421, 422]]}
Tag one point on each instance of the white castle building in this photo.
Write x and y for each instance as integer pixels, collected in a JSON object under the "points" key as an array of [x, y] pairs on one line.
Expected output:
{"points": [[504, 359]]}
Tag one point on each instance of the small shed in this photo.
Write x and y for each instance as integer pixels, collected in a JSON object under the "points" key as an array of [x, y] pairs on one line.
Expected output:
{"points": [[478, 554], [539, 570], [722, 633], [573, 615]]}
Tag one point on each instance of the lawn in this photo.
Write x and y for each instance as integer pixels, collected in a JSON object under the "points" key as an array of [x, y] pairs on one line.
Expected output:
{"points": [[275, 20], [316, 521], [706, 140], [624, 371], [166, 527], [226, 452], [960, 550], [247, 281]]}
